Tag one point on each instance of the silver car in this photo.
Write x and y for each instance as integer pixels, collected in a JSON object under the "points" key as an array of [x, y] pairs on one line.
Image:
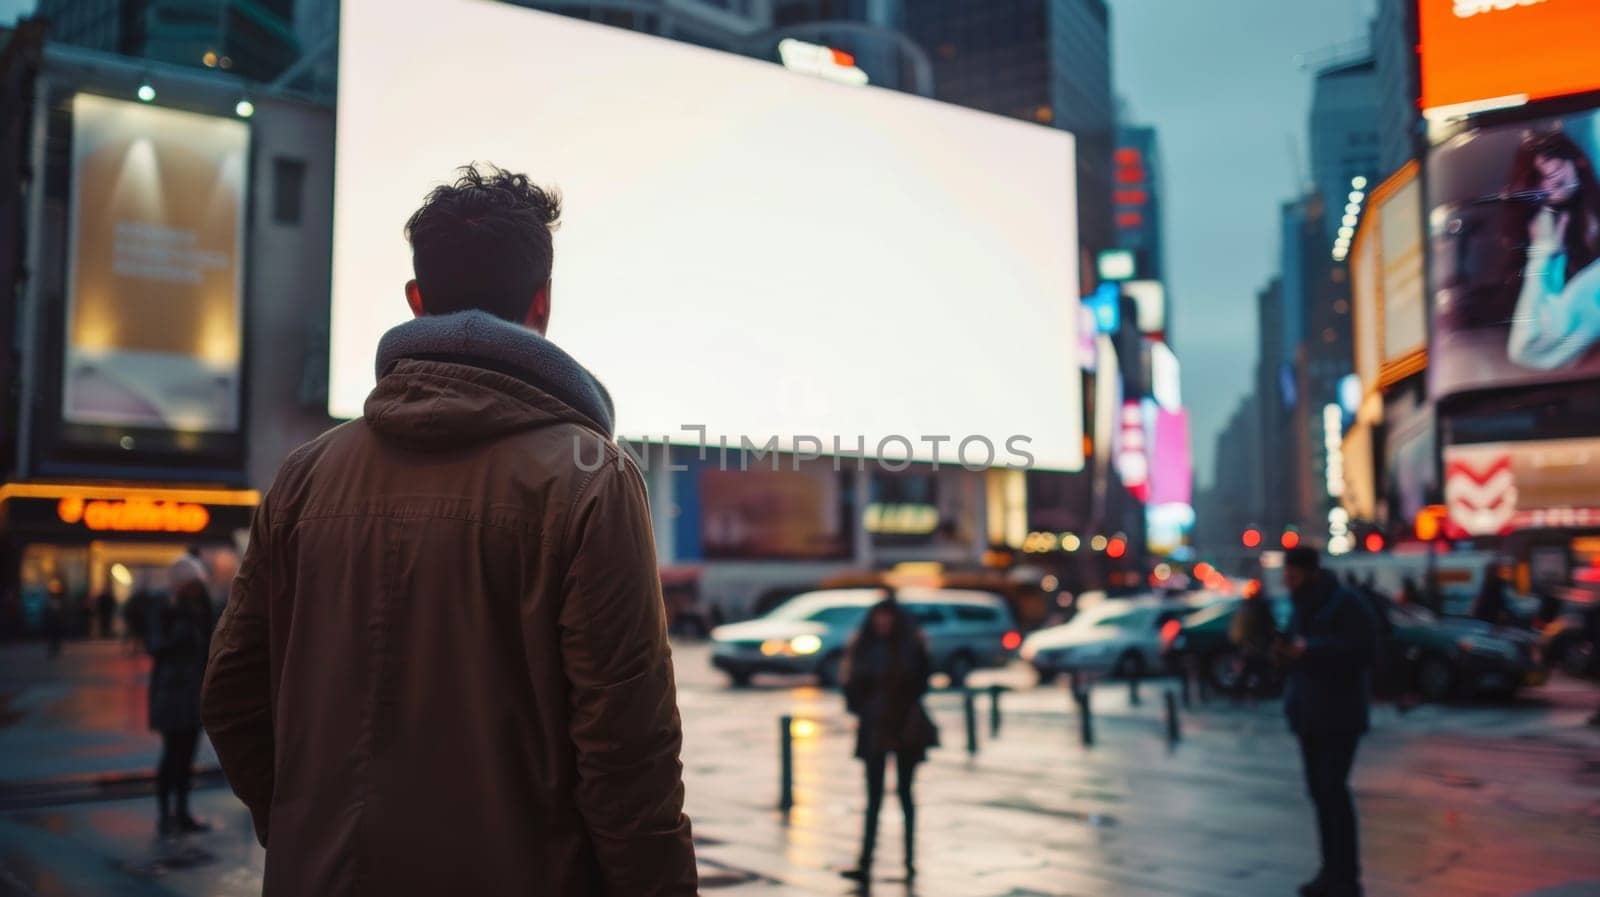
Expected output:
{"points": [[809, 633], [1117, 637]]}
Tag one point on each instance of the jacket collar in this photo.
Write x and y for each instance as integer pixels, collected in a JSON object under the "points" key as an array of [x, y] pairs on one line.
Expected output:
{"points": [[482, 340]]}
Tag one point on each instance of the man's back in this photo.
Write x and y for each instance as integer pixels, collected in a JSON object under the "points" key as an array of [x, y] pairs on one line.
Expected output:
{"points": [[1328, 687], [463, 636]]}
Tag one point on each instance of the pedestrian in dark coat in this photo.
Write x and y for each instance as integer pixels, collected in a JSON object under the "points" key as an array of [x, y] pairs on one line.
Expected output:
{"points": [[179, 640], [1332, 642], [886, 675], [1492, 606]]}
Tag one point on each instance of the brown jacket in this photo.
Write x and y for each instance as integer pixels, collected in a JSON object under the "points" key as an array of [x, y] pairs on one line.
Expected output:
{"points": [[444, 666]]}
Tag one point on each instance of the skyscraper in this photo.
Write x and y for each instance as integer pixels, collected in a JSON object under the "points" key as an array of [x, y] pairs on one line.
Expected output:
{"points": [[1394, 41], [1344, 134], [1048, 62]]}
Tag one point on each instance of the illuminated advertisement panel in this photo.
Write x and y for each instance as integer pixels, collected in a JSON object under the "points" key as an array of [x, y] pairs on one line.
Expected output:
{"points": [[744, 250], [762, 513], [154, 309], [1488, 54], [1366, 321], [1514, 223], [1171, 465], [1495, 488], [1398, 204]]}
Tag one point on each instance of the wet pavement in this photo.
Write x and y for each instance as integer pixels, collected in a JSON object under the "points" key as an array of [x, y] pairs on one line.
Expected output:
{"points": [[1478, 801]]}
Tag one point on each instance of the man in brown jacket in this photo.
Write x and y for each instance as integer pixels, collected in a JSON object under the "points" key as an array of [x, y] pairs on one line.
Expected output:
{"points": [[444, 667]]}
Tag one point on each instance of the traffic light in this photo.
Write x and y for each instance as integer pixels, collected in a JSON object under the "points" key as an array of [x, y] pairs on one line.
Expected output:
{"points": [[1374, 542], [1290, 538], [1252, 538]]}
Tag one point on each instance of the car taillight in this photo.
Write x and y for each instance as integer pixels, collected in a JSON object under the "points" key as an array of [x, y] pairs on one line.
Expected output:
{"points": [[1011, 641], [1170, 631]]}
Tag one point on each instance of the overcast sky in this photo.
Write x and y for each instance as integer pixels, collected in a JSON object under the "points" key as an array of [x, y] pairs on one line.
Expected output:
{"points": [[1223, 81], [10, 9]]}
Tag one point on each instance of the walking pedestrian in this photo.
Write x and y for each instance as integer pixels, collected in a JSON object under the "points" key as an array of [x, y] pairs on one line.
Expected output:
{"points": [[105, 611], [444, 666], [1329, 652], [179, 640], [1491, 606], [886, 675], [136, 613], [1253, 633], [55, 617]]}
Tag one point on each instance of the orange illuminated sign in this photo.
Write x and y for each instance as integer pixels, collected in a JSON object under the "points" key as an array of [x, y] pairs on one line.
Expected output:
{"points": [[133, 514], [1486, 54]]}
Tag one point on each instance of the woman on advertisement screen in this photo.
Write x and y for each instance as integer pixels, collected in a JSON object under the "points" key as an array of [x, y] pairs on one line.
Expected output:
{"points": [[1553, 225]]}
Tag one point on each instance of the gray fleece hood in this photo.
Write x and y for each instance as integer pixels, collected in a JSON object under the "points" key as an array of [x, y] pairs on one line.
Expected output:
{"points": [[481, 340]]}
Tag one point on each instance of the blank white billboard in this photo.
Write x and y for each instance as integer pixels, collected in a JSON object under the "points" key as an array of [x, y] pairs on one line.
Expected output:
{"points": [[744, 248]]}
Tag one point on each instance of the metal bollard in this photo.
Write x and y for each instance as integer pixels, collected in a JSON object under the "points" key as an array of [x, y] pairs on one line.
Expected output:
{"points": [[786, 753], [969, 705], [1174, 734], [1085, 718], [994, 711], [1133, 688]]}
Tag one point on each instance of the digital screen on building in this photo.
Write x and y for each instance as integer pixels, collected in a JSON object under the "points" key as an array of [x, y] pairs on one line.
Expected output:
{"points": [[1366, 319], [1149, 302], [1387, 284], [1398, 204], [745, 248], [1515, 210], [1484, 54], [766, 514], [1495, 488], [155, 267], [1171, 462]]}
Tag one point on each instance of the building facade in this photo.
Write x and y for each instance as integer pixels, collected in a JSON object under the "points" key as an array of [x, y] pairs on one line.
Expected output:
{"points": [[252, 38]]}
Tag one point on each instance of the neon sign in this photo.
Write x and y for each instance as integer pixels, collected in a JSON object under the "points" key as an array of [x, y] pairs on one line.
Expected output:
{"points": [[133, 515]]}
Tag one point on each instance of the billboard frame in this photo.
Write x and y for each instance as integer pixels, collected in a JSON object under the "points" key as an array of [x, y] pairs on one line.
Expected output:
{"points": [[46, 446]]}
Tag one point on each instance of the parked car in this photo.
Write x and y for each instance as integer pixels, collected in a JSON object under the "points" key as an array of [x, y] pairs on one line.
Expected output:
{"points": [[966, 630], [1438, 657], [1116, 637]]}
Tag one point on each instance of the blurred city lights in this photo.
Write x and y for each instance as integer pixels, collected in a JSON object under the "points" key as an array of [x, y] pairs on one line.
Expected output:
{"points": [[1374, 542], [1070, 542], [1098, 543], [1050, 583], [1290, 539], [802, 728], [146, 92], [122, 574], [244, 109], [1163, 571], [1358, 182], [1252, 538], [1116, 548]]}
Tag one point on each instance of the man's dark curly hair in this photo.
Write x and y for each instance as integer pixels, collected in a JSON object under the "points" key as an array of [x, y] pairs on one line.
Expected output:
{"points": [[483, 243]]}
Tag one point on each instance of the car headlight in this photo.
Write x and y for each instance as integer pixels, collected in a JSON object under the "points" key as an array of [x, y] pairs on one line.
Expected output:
{"points": [[805, 644]]}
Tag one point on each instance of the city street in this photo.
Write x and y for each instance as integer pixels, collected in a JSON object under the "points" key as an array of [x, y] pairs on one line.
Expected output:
{"points": [[1462, 800]]}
